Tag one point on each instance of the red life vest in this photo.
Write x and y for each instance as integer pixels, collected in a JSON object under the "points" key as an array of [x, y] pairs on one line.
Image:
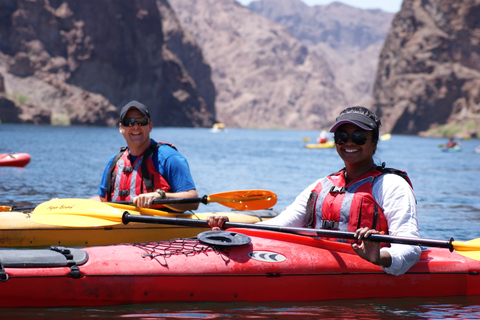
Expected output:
{"points": [[127, 180], [335, 205]]}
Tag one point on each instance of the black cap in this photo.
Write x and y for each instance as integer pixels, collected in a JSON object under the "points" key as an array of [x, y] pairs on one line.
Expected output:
{"points": [[134, 104], [358, 119]]}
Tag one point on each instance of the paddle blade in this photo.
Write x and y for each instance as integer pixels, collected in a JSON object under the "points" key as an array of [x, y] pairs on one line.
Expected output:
{"points": [[86, 213], [469, 249], [245, 199], [76, 212], [5, 208]]}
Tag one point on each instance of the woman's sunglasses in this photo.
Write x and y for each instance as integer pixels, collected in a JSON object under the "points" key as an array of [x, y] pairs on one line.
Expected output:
{"points": [[130, 122], [359, 138]]}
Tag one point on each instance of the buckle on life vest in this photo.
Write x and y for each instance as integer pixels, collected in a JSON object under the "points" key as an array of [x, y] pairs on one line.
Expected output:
{"points": [[124, 193], [128, 169], [330, 224], [336, 189]]}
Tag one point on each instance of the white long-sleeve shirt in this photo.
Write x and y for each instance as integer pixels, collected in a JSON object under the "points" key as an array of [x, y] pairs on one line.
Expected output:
{"points": [[395, 197]]}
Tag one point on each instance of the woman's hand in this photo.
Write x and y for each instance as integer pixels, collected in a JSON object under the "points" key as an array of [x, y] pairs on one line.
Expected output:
{"points": [[370, 250], [216, 222]]}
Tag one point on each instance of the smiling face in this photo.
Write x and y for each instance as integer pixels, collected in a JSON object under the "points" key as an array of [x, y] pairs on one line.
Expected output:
{"points": [[137, 137], [353, 154]]}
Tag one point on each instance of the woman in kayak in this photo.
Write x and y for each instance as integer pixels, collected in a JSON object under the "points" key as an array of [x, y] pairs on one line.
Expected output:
{"points": [[362, 197]]}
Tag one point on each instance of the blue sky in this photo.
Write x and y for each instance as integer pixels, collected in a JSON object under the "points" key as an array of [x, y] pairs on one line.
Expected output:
{"points": [[385, 5]]}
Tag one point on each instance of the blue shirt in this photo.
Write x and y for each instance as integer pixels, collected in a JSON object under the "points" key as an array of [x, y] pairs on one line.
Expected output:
{"points": [[170, 163]]}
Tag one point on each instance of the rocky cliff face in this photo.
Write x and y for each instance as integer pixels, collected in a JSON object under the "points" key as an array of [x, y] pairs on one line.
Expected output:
{"points": [[289, 64], [264, 76], [75, 62], [348, 38], [428, 72], [277, 63]]}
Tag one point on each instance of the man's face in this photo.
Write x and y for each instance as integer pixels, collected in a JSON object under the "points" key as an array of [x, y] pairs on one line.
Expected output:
{"points": [[136, 135]]}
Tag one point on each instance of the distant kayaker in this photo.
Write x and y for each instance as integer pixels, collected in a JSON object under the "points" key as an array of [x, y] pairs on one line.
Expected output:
{"points": [[146, 170], [452, 143], [362, 197], [323, 137]]}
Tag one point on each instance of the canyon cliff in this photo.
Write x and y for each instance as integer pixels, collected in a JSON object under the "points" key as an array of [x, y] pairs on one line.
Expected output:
{"points": [[272, 64], [428, 78], [283, 64], [76, 62]]}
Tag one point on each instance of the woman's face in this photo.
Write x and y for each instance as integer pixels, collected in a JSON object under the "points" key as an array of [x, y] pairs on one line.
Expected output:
{"points": [[354, 153]]}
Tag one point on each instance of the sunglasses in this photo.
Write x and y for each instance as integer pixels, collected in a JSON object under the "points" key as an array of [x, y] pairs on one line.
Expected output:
{"points": [[130, 122], [358, 138]]}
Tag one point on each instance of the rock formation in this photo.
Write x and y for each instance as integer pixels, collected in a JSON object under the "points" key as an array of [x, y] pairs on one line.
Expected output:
{"points": [[263, 75], [275, 64], [348, 38], [76, 62], [428, 73]]}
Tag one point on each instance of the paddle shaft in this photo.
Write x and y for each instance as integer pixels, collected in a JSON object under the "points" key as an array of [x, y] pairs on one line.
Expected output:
{"points": [[126, 218], [203, 200]]}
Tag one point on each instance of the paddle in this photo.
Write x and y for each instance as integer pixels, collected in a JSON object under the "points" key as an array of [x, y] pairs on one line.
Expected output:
{"points": [[84, 213], [93, 213], [470, 249], [238, 200]]}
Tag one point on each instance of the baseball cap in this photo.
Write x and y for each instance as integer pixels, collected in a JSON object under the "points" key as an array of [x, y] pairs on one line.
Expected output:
{"points": [[358, 119], [134, 104]]}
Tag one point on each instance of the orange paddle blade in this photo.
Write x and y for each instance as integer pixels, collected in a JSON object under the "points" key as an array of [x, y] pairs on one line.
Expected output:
{"points": [[245, 199]]}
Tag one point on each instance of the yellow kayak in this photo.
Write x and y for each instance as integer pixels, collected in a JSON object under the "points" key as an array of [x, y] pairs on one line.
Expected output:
{"points": [[328, 144], [18, 230], [385, 137]]}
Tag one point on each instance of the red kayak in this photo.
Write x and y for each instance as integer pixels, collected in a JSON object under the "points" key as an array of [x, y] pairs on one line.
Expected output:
{"points": [[245, 265], [14, 159]]}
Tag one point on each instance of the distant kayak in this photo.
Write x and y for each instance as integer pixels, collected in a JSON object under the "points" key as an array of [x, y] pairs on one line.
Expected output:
{"points": [[14, 159], [385, 136], [328, 144], [218, 127], [331, 144], [452, 149]]}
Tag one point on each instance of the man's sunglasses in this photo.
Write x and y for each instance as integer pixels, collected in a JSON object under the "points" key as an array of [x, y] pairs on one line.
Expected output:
{"points": [[130, 122], [359, 138]]}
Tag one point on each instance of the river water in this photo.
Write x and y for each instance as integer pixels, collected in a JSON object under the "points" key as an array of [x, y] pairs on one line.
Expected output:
{"points": [[67, 162]]}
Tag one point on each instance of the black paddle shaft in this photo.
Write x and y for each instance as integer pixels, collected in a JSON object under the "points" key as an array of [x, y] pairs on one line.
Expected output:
{"points": [[126, 218], [203, 200]]}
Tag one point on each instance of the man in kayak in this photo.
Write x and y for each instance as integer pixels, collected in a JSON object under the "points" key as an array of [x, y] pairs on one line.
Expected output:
{"points": [[146, 170], [362, 197]]}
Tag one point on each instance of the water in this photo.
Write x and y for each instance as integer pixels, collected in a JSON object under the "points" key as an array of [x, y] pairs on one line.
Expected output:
{"points": [[67, 162]]}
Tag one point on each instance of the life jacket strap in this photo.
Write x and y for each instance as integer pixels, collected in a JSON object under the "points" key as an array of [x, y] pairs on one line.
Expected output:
{"points": [[124, 193], [330, 225], [335, 189]]}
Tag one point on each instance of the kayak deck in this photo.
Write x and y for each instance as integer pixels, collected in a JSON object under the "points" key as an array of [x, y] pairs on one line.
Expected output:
{"points": [[272, 267]]}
